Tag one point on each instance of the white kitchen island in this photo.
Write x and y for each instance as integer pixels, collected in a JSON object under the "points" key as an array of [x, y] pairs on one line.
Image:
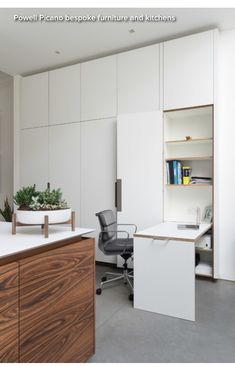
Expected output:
{"points": [[164, 269], [32, 238]]}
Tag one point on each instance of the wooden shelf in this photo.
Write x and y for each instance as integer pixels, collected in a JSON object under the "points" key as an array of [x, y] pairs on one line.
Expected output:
{"points": [[204, 275], [191, 185], [191, 141], [188, 159], [201, 249]]}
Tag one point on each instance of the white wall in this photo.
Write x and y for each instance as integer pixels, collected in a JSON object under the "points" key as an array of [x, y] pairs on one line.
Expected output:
{"points": [[6, 138], [225, 155]]}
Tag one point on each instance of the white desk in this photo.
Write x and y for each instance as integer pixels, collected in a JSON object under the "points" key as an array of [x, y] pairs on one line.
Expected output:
{"points": [[164, 264]]}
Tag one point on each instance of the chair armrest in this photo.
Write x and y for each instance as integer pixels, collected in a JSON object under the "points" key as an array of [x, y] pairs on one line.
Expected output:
{"points": [[116, 232], [130, 224]]}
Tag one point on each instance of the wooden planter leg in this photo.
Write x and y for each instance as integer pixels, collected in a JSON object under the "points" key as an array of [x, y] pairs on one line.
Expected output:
{"points": [[73, 221], [45, 226], [13, 223]]}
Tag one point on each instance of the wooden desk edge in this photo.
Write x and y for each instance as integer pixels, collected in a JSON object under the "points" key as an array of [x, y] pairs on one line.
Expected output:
{"points": [[173, 238]]}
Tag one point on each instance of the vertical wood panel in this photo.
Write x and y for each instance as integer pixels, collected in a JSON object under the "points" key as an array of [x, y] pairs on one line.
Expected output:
{"points": [[57, 305], [9, 346]]}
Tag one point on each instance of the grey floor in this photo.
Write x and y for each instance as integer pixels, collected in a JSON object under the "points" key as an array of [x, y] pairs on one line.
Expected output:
{"points": [[124, 334]]}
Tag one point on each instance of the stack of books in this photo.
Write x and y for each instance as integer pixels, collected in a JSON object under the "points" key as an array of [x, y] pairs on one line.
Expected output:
{"points": [[201, 180], [174, 172]]}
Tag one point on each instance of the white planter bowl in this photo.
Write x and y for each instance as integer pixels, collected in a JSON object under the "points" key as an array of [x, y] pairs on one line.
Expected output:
{"points": [[37, 216]]}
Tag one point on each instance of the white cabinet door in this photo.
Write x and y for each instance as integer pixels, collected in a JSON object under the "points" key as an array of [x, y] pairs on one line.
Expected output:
{"points": [[139, 80], [98, 174], [165, 277], [188, 71], [98, 88], [34, 157], [64, 163], [139, 166], [64, 95], [34, 101]]}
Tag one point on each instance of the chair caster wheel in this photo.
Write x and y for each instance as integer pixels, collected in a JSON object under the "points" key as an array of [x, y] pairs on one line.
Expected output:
{"points": [[103, 279], [131, 297], [98, 291]]}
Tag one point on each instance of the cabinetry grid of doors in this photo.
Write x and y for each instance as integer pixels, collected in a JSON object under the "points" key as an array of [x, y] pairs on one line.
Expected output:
{"points": [[69, 129], [188, 173]]}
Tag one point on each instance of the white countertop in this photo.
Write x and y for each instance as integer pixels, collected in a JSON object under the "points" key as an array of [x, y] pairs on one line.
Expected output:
{"points": [[28, 238], [169, 230]]}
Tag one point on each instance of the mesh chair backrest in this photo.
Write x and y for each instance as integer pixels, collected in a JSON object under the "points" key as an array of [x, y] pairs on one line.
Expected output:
{"points": [[108, 224]]}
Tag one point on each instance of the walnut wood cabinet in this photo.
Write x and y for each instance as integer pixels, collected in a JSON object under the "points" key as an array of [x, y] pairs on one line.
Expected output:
{"points": [[47, 306], [9, 311]]}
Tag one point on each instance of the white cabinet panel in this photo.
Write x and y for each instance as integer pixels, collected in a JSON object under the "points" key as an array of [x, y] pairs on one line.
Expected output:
{"points": [[188, 71], [64, 163], [98, 174], [139, 80], [139, 166], [34, 101], [34, 157], [165, 277], [64, 95], [98, 88]]}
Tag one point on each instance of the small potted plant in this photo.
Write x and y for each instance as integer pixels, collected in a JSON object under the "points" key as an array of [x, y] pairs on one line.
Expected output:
{"points": [[34, 205]]}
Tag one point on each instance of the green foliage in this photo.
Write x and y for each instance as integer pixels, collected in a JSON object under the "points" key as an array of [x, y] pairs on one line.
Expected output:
{"points": [[7, 211], [30, 199], [23, 197], [48, 200]]}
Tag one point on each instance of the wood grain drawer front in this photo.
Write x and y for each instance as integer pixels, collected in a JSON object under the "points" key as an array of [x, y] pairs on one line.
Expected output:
{"points": [[57, 305], [9, 346]]}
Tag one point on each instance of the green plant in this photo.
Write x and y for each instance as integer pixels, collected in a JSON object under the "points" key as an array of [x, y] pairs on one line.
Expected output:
{"points": [[7, 211], [29, 199], [48, 200], [23, 197]]}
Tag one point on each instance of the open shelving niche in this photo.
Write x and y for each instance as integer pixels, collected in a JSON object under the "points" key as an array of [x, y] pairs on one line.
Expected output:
{"points": [[188, 138]]}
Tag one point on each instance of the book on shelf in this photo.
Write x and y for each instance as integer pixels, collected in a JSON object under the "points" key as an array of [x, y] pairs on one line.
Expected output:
{"points": [[174, 172], [174, 175], [195, 180]]}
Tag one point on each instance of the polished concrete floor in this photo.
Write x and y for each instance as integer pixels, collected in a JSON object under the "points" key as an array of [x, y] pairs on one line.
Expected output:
{"points": [[124, 334]]}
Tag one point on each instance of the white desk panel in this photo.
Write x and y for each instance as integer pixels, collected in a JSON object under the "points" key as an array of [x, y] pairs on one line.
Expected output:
{"points": [[165, 277]]}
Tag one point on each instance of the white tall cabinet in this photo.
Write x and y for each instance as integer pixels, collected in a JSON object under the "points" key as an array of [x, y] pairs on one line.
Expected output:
{"points": [[189, 71], [64, 163], [64, 95], [139, 167], [34, 101], [98, 89], [139, 80], [34, 157], [98, 174]]}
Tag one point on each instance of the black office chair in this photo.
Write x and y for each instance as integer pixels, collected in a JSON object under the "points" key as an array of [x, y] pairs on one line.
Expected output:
{"points": [[110, 244]]}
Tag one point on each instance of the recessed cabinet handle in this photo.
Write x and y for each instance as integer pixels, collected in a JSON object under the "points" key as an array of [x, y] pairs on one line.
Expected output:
{"points": [[118, 195], [159, 242]]}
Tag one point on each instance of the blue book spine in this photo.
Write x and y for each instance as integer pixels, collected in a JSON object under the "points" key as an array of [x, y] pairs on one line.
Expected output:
{"points": [[179, 174], [167, 173], [175, 172]]}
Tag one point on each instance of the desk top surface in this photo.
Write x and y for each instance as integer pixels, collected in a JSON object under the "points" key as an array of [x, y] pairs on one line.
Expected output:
{"points": [[169, 230], [28, 238]]}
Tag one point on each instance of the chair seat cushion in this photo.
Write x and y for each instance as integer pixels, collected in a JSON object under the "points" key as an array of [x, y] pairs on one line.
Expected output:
{"points": [[119, 246]]}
